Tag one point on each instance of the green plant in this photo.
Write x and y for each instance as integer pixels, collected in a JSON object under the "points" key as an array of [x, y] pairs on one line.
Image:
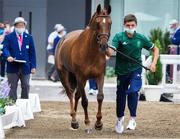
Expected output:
{"points": [[154, 78], [110, 72], [163, 37], [4, 95], [167, 41], [5, 102]]}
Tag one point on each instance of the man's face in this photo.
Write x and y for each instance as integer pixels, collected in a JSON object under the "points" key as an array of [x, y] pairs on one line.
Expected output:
{"points": [[20, 28], [173, 26], [130, 25], [20, 25]]}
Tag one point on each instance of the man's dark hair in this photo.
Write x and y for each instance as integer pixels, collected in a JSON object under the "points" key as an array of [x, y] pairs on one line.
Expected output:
{"points": [[129, 18]]}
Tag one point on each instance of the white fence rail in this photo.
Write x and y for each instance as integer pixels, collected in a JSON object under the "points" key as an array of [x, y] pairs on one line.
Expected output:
{"points": [[173, 61]]}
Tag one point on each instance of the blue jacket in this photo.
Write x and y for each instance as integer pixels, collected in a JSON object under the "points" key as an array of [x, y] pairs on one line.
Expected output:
{"points": [[56, 40], [176, 37], [27, 53]]}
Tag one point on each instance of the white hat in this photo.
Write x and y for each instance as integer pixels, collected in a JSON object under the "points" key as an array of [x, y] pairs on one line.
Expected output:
{"points": [[56, 26], [59, 27], [19, 20], [173, 21]]}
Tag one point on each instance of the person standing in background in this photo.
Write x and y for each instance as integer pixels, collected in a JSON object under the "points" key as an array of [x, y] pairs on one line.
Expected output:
{"points": [[7, 28], [50, 50], [61, 33], [175, 40], [92, 87], [175, 34], [19, 50]]}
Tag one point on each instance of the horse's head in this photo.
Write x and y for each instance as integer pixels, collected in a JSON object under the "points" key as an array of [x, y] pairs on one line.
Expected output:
{"points": [[101, 23]]}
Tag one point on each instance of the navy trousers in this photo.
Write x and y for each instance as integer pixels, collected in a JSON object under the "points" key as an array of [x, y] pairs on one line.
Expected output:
{"points": [[128, 87], [13, 79], [92, 84]]}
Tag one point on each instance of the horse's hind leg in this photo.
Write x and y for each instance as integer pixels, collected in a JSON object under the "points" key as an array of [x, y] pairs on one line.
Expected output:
{"points": [[77, 97], [100, 97], [84, 103], [73, 83], [69, 91]]}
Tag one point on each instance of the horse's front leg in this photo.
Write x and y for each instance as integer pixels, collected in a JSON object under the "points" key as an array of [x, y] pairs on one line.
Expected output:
{"points": [[100, 97]]}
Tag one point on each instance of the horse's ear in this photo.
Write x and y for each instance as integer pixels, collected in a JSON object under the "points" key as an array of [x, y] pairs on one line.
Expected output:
{"points": [[98, 10], [108, 8]]}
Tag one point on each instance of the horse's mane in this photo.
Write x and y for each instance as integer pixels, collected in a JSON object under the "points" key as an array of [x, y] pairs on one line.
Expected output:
{"points": [[91, 20]]}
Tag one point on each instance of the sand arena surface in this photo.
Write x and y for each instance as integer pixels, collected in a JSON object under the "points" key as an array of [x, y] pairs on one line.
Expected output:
{"points": [[155, 120]]}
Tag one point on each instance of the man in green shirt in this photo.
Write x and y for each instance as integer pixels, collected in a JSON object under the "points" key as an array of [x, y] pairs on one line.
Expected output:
{"points": [[128, 73]]}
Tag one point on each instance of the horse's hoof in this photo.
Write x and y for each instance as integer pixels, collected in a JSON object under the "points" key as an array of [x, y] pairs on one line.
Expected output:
{"points": [[75, 125], [99, 126]]}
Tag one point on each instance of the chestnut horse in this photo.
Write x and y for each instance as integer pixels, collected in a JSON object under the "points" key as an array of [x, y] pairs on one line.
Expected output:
{"points": [[81, 55]]}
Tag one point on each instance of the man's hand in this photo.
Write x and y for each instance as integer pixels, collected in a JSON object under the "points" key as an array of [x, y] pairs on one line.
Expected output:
{"points": [[10, 59], [33, 71], [152, 67], [107, 57], [109, 52], [155, 59]]}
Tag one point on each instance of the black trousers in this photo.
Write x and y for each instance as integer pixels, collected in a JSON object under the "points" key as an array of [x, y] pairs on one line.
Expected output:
{"points": [[13, 79]]}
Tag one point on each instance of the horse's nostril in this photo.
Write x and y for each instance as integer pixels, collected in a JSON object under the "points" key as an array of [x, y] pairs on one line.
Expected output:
{"points": [[105, 46]]}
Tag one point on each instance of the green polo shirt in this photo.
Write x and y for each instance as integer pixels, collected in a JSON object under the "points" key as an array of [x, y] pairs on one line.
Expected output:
{"points": [[131, 47]]}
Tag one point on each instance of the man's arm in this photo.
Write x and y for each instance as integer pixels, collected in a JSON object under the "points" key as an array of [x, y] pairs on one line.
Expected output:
{"points": [[6, 52], [155, 51], [32, 56], [115, 44]]}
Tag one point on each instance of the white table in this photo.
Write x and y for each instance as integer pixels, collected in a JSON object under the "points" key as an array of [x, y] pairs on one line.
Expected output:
{"points": [[13, 117], [17, 114], [35, 102], [25, 106], [17, 119]]}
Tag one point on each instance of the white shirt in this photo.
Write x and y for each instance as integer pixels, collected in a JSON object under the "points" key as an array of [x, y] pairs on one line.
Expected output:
{"points": [[51, 38]]}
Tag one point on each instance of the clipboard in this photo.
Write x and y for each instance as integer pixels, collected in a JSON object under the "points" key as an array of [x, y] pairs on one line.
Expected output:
{"points": [[19, 61]]}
